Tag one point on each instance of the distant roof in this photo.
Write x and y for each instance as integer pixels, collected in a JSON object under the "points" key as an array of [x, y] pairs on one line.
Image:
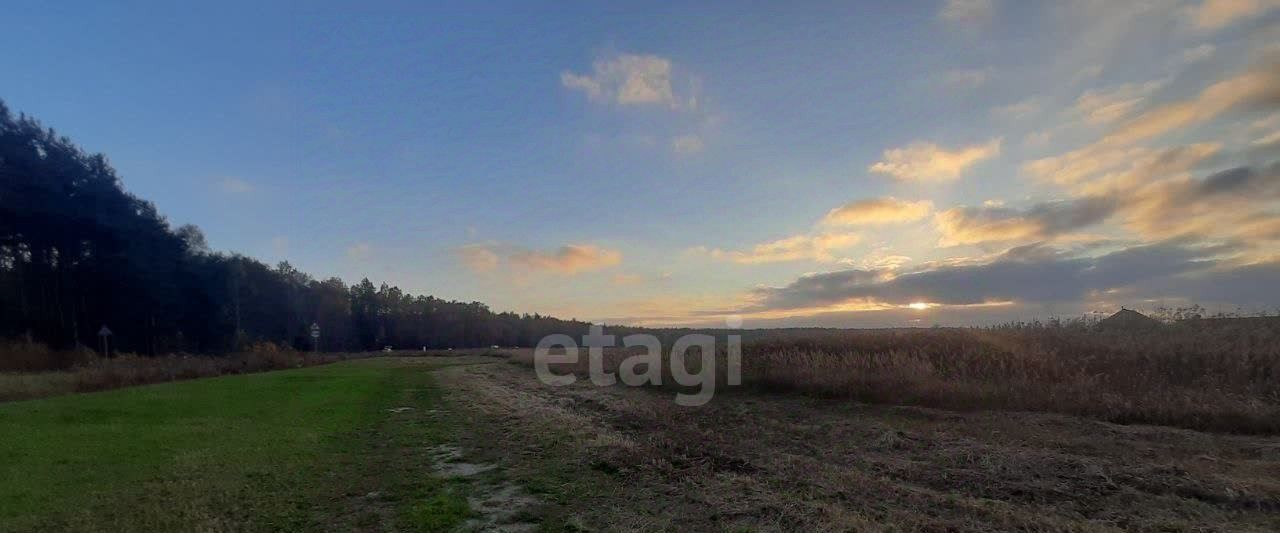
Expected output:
{"points": [[1128, 319]]}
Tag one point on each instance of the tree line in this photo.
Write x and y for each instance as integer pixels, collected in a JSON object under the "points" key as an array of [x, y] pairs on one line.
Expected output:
{"points": [[78, 252]]}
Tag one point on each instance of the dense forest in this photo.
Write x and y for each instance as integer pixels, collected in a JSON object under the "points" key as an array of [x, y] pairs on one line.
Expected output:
{"points": [[78, 252]]}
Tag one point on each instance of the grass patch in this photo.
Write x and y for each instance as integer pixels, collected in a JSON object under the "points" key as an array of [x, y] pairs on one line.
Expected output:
{"points": [[441, 511], [263, 452]]}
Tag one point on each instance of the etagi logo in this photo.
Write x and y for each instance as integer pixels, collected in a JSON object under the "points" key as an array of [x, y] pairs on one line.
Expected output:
{"points": [[639, 369]]}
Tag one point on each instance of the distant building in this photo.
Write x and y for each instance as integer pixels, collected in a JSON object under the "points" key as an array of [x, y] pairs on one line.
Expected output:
{"points": [[1128, 319]]}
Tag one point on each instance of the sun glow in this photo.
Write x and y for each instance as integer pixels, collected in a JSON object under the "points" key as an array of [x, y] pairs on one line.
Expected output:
{"points": [[919, 306]]}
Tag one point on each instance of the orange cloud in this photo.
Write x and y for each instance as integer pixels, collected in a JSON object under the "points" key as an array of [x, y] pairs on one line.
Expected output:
{"points": [[567, 260], [1216, 14], [878, 211], [978, 225], [1104, 106], [795, 248], [478, 258], [1256, 86], [923, 161]]}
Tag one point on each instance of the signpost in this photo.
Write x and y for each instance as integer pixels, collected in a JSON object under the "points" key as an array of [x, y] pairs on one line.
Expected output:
{"points": [[315, 337], [105, 332]]}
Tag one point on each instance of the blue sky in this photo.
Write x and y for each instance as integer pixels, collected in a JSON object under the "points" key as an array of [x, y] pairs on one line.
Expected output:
{"points": [[814, 163]]}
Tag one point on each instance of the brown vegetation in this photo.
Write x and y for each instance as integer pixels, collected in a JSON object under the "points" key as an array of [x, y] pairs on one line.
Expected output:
{"points": [[85, 371], [769, 462], [1210, 375]]}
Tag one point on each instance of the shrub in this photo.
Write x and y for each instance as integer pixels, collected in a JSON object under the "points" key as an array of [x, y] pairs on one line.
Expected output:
{"points": [[90, 373], [25, 355]]}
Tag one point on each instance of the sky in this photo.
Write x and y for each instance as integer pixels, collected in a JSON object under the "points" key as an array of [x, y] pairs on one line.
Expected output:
{"points": [[839, 164]]}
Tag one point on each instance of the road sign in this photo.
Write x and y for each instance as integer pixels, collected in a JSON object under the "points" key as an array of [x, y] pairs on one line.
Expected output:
{"points": [[315, 330], [106, 346]]}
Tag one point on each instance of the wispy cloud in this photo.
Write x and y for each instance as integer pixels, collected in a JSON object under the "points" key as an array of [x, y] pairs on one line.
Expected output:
{"points": [[1257, 86], [997, 224], [567, 260], [1218, 14], [1232, 204], [924, 161], [1104, 106], [630, 79], [1017, 110], [877, 211], [820, 248], [478, 257], [1198, 54]]}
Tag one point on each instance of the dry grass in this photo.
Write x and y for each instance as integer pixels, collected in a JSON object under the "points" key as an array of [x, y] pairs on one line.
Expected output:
{"points": [[1221, 375], [90, 373], [768, 462], [25, 355], [1211, 376]]}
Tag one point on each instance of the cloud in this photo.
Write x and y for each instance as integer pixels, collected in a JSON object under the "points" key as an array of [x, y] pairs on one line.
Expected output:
{"points": [[567, 260], [586, 84], [966, 78], [1104, 106], [967, 11], [1270, 139], [1235, 203], [881, 259], [1198, 54], [923, 161], [478, 258], [877, 211], [996, 224], [1115, 164], [1119, 169], [1258, 87], [1027, 274], [234, 186], [1017, 110], [1217, 14], [629, 79], [687, 144], [1248, 284], [1154, 193], [818, 248]]}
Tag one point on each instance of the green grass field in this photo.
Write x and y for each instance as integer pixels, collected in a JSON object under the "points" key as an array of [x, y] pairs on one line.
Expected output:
{"points": [[289, 450]]}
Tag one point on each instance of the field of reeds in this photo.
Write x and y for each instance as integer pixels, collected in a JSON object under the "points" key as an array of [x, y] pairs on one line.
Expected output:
{"points": [[1212, 374]]}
